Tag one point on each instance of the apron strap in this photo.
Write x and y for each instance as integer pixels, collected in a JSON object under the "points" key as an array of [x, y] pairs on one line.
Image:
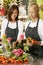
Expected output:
{"points": [[7, 24], [16, 24], [37, 23], [29, 23]]}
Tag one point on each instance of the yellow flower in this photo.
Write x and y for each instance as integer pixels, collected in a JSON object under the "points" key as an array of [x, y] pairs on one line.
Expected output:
{"points": [[4, 35]]}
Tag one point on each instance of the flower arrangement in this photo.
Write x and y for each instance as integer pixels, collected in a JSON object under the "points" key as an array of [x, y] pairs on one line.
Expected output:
{"points": [[19, 52]]}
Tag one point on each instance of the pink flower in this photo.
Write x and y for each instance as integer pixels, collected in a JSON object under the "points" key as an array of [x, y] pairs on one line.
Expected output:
{"points": [[9, 39], [21, 36], [14, 51], [18, 52]]}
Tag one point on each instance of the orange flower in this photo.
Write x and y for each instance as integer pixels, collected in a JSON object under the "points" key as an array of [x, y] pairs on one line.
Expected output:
{"points": [[33, 41], [17, 62], [20, 62], [0, 59], [29, 39], [4, 62], [11, 60], [4, 35], [3, 57], [26, 61]]}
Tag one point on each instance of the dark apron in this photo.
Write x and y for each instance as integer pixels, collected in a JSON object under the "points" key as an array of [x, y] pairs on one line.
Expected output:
{"points": [[12, 33], [34, 50]]}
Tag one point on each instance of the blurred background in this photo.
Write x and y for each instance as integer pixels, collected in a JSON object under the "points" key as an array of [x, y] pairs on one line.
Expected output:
{"points": [[23, 9]]}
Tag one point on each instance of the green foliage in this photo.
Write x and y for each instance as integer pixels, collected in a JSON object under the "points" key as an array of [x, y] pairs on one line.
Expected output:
{"points": [[5, 43], [26, 48], [1, 51], [6, 4]]}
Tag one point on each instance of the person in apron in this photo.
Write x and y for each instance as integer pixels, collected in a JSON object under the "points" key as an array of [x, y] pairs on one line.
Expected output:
{"points": [[12, 33], [35, 50], [13, 17], [11, 26]]}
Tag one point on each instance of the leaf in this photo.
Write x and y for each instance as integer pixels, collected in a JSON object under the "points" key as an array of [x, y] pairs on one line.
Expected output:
{"points": [[26, 48], [1, 51], [11, 54], [24, 56]]}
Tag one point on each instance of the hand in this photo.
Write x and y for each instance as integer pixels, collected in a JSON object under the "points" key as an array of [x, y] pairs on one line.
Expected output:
{"points": [[35, 42], [14, 43], [38, 43]]}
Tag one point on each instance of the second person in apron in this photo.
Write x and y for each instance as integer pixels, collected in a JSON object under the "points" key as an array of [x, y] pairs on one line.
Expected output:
{"points": [[34, 30]]}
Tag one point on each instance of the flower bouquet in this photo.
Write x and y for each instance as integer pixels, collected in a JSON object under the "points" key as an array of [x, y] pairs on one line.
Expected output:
{"points": [[19, 51]]}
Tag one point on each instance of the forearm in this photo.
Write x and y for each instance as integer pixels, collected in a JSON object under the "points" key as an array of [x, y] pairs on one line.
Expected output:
{"points": [[38, 42]]}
